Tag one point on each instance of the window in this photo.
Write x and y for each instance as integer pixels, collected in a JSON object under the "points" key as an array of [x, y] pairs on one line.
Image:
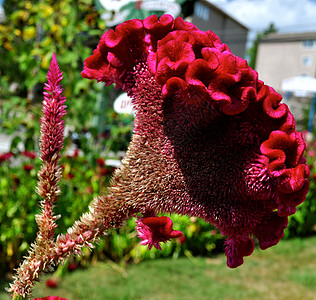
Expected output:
{"points": [[309, 44], [201, 11], [307, 61]]}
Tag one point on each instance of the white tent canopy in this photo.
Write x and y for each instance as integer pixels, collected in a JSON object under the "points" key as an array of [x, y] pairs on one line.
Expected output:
{"points": [[300, 85]]}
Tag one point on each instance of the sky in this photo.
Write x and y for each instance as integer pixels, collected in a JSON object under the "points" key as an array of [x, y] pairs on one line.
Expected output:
{"points": [[287, 15]]}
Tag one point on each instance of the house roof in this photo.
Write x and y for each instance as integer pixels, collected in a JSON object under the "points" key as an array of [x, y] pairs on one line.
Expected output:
{"points": [[214, 7], [288, 37]]}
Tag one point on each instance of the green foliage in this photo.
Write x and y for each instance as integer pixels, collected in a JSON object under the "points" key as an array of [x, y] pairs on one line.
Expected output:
{"points": [[200, 238], [18, 204], [283, 272], [33, 31], [252, 51], [303, 222], [119, 131], [82, 180]]}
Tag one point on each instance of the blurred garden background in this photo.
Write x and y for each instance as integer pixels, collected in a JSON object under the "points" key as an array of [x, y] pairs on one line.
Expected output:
{"points": [[96, 138]]}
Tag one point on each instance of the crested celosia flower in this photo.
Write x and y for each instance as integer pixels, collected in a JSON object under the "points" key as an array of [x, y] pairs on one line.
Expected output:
{"points": [[211, 140]]}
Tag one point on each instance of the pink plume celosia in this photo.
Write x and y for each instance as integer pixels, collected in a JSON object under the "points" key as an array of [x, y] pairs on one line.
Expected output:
{"points": [[51, 143], [52, 125], [210, 140]]}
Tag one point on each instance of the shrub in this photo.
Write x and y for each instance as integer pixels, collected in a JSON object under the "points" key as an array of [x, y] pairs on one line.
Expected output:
{"points": [[82, 180], [303, 222]]}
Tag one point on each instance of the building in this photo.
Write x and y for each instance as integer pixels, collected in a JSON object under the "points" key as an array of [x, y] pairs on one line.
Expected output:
{"points": [[2, 14], [286, 55], [207, 16]]}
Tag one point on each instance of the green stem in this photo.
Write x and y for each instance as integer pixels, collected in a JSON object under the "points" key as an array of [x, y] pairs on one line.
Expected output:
{"points": [[17, 297]]}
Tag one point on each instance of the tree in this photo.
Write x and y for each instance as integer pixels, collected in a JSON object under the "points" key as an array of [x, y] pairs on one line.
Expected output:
{"points": [[252, 52], [32, 32]]}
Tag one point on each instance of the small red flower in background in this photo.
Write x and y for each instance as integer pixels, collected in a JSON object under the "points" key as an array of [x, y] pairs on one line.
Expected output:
{"points": [[138, 4], [311, 153], [89, 190], [72, 266], [16, 179], [28, 167], [51, 283], [69, 175], [29, 154], [5, 156], [182, 239], [100, 162], [104, 171], [156, 230], [214, 232], [76, 153]]}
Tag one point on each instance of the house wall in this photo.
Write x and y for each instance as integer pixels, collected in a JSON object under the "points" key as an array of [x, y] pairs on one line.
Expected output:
{"points": [[209, 17], [280, 60], [235, 37], [282, 57]]}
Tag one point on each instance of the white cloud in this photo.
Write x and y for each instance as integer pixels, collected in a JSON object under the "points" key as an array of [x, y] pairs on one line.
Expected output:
{"points": [[287, 15]]}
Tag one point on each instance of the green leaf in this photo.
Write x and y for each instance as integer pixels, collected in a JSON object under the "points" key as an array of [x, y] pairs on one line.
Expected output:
{"points": [[15, 142]]}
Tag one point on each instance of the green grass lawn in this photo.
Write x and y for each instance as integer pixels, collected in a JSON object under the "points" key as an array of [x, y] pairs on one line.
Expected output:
{"points": [[287, 271]]}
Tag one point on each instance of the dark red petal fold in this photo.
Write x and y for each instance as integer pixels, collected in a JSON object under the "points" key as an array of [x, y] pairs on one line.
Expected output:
{"points": [[236, 249], [272, 106], [270, 230]]}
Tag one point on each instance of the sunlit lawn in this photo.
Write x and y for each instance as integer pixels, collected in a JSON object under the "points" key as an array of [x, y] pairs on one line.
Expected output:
{"points": [[287, 271]]}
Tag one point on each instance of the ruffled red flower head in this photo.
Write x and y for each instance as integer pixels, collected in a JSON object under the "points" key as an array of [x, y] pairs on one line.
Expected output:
{"points": [[210, 139]]}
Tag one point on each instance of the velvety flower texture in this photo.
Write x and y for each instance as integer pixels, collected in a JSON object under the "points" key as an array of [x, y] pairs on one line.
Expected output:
{"points": [[211, 140]]}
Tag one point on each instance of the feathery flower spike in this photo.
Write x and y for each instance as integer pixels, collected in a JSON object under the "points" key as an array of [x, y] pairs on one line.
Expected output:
{"points": [[51, 143], [210, 140]]}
